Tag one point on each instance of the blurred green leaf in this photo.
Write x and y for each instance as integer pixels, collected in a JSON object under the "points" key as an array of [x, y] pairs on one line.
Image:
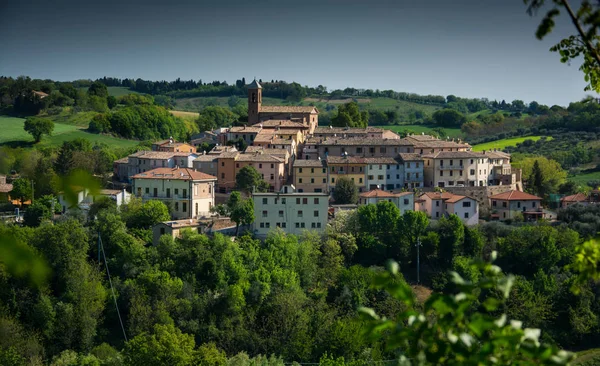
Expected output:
{"points": [[21, 260]]}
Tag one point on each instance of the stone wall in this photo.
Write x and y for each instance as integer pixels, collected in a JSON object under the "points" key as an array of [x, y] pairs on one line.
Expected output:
{"points": [[480, 194]]}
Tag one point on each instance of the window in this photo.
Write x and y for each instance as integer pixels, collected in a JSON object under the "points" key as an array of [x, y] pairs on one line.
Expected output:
{"points": [[467, 204], [302, 225], [176, 191], [466, 215], [300, 213], [437, 203], [472, 172], [417, 175], [316, 201], [297, 201], [406, 201], [262, 224], [332, 180], [268, 225], [222, 175], [370, 177], [176, 206], [380, 177], [318, 225], [441, 173], [272, 176], [312, 170], [360, 180], [265, 201], [300, 170], [305, 201], [533, 204], [460, 162], [237, 165], [316, 213], [272, 166], [451, 162], [371, 150], [382, 149], [388, 176], [185, 193], [313, 225], [460, 172], [324, 180], [359, 150], [324, 171], [297, 225], [280, 213], [494, 203], [283, 201], [416, 165], [222, 163], [437, 214], [283, 225], [518, 204], [451, 173], [183, 206], [472, 163], [504, 204], [265, 214]]}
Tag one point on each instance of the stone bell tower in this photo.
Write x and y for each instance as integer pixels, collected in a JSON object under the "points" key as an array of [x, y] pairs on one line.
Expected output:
{"points": [[254, 102]]}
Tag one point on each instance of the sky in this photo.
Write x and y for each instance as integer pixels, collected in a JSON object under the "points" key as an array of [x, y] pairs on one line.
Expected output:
{"points": [[469, 48]]}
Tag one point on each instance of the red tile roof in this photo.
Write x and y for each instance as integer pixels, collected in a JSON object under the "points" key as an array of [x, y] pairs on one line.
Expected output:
{"points": [[579, 197], [174, 173], [5, 187], [515, 196], [287, 109], [377, 193]]}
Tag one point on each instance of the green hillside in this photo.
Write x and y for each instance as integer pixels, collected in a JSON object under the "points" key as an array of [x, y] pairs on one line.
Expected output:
{"points": [[451, 132], [501, 144], [116, 91], [14, 135]]}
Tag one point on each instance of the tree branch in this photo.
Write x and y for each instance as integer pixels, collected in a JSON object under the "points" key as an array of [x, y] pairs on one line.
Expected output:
{"points": [[586, 41]]}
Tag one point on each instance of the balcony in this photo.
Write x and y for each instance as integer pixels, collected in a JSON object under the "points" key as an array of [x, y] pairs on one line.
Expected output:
{"points": [[452, 167]]}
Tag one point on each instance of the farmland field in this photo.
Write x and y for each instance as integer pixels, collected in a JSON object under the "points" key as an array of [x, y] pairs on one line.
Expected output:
{"points": [[501, 144], [14, 135], [185, 115], [452, 132], [582, 179]]}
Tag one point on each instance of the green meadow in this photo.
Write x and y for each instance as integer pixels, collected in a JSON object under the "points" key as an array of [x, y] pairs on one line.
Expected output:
{"points": [[501, 144]]}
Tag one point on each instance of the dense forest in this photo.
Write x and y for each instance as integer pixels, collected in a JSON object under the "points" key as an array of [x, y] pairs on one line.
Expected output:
{"points": [[211, 300]]}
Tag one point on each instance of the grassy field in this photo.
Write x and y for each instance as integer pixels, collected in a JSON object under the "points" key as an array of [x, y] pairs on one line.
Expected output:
{"points": [[14, 135], [501, 144], [186, 115], [582, 179], [590, 355], [452, 132]]}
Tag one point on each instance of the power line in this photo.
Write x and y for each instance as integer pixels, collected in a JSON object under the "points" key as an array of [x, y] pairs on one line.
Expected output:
{"points": [[111, 286]]}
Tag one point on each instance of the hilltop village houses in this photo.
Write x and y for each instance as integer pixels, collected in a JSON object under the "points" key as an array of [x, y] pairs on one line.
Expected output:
{"points": [[301, 162]]}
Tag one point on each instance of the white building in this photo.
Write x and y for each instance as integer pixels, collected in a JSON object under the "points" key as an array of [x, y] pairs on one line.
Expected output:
{"points": [[85, 199], [439, 204], [291, 211], [143, 161], [189, 193], [384, 173], [405, 201]]}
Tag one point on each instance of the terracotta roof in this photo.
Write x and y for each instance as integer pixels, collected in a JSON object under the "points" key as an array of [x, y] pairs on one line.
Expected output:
{"points": [[515, 196], [124, 160], [348, 130], [288, 132], [220, 149], [244, 129], [263, 150], [346, 160], [258, 157], [177, 224], [280, 141], [5, 187], [228, 155], [356, 141], [410, 157], [497, 155], [40, 94], [207, 158], [438, 195], [378, 193], [579, 197], [421, 137], [110, 192], [283, 123], [287, 109], [456, 198], [158, 154], [381, 160], [299, 163], [174, 173], [455, 155]]}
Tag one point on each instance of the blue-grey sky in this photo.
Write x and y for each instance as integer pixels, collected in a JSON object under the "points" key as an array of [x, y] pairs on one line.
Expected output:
{"points": [[470, 48]]}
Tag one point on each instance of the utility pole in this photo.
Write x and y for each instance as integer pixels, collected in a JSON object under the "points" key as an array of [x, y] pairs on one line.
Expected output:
{"points": [[418, 260]]}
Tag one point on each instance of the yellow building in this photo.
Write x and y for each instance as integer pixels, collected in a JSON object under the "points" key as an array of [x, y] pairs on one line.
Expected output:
{"points": [[310, 176], [352, 167]]}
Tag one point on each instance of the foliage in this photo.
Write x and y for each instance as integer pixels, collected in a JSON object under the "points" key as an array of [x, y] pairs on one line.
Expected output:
{"points": [[550, 175], [346, 192], [166, 345], [349, 115], [214, 116], [240, 210], [444, 332], [36, 213], [144, 215], [448, 118], [248, 179], [22, 190], [37, 127]]}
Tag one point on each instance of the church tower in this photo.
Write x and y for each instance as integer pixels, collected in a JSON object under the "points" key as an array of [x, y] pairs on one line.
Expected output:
{"points": [[254, 102]]}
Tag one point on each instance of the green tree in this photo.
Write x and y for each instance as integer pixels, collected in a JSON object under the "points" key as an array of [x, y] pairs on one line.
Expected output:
{"points": [[37, 127], [214, 116], [36, 213], [536, 180], [451, 231], [449, 118], [345, 191], [248, 179], [241, 210], [349, 115], [145, 215], [552, 175], [167, 345], [22, 190], [98, 89], [412, 227]]}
